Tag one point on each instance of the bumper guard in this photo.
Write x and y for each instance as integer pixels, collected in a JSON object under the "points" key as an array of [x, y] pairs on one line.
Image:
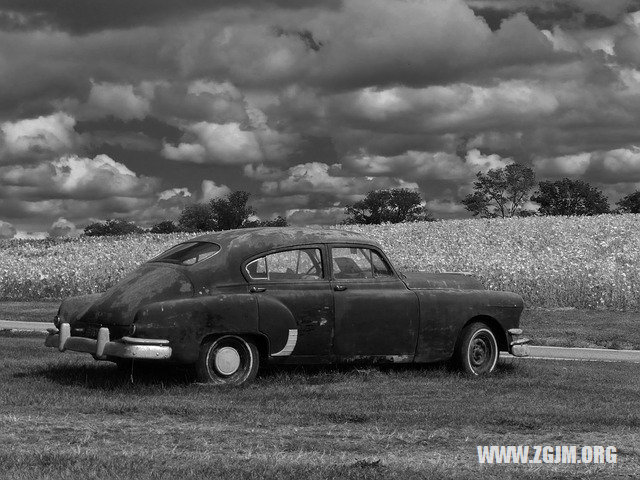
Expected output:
{"points": [[518, 345], [103, 347]]}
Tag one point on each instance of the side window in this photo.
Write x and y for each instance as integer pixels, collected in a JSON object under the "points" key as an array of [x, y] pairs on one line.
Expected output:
{"points": [[298, 264], [358, 263]]}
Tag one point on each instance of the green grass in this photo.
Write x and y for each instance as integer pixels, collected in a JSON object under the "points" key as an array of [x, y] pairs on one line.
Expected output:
{"points": [[66, 416]]}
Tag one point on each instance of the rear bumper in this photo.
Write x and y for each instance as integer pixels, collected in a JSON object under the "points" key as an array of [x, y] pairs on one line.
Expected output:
{"points": [[518, 345], [103, 347]]}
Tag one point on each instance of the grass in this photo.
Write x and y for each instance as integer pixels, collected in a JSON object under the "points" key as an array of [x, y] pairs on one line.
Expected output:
{"points": [[66, 416], [582, 328], [36, 311], [554, 327]]}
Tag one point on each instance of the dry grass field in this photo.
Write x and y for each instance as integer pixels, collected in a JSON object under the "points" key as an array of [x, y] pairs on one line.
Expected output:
{"points": [[581, 262], [66, 416]]}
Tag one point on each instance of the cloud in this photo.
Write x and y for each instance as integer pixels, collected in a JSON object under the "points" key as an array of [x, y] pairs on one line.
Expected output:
{"points": [[416, 165], [211, 190], [229, 144], [40, 137], [116, 100], [608, 167], [74, 177], [7, 230], [321, 179], [63, 228]]}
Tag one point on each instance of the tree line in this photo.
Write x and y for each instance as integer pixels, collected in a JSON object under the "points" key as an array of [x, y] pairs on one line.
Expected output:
{"points": [[505, 192], [498, 193]]}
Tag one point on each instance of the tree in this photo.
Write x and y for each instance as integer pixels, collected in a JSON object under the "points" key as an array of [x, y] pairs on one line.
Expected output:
{"points": [[570, 197], [630, 203], [231, 212], [197, 217], [394, 206], [112, 227], [166, 226], [279, 221], [501, 192], [218, 214]]}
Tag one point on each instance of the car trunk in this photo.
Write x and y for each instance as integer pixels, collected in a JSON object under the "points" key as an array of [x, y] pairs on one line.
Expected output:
{"points": [[116, 308]]}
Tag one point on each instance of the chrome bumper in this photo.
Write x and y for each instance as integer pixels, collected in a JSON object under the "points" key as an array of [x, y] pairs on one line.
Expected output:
{"points": [[103, 347], [518, 345]]}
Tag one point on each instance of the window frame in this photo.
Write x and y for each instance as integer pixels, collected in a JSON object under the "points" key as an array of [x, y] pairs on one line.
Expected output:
{"points": [[323, 265], [386, 278]]}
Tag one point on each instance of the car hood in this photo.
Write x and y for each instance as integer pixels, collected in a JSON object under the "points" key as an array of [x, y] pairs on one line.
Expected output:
{"points": [[150, 283], [458, 281]]}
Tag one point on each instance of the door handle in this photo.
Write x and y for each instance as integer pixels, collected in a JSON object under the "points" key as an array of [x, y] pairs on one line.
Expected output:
{"points": [[257, 289], [339, 288]]}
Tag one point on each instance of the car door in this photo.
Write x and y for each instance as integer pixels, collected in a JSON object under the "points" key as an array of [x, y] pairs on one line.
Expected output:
{"points": [[291, 286], [375, 314]]}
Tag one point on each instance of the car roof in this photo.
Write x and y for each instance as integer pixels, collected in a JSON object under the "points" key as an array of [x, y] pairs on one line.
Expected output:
{"points": [[246, 242]]}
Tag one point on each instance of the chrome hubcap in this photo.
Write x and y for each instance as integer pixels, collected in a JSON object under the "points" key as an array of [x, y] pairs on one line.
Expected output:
{"points": [[227, 360]]}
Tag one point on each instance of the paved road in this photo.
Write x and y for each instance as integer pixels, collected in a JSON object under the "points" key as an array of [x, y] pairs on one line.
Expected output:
{"points": [[546, 353], [25, 326]]}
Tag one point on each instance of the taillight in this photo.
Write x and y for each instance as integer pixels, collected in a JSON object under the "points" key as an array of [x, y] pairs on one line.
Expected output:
{"points": [[56, 321]]}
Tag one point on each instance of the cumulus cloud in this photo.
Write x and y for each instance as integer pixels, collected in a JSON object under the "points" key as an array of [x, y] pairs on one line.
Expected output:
{"points": [[40, 137], [613, 166], [211, 190], [74, 177], [63, 228], [416, 165], [116, 100], [7, 230], [230, 144]]}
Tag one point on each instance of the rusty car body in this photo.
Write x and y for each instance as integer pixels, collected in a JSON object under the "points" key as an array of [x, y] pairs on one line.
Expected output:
{"points": [[227, 302]]}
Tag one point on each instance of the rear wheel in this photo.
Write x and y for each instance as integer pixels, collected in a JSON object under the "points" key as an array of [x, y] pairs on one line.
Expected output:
{"points": [[477, 351], [228, 360]]}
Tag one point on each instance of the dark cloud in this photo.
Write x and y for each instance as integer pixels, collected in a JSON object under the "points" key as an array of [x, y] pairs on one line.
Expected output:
{"points": [[94, 15]]}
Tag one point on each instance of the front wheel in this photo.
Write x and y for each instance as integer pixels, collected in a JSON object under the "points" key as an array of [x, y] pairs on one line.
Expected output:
{"points": [[227, 360], [477, 351]]}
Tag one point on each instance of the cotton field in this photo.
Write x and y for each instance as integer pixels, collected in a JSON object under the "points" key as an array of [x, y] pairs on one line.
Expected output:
{"points": [[588, 262]]}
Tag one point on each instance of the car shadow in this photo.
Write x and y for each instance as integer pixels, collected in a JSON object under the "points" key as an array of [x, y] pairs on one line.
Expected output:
{"points": [[107, 376]]}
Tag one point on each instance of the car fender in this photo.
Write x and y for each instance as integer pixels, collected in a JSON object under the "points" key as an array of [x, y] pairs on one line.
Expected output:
{"points": [[187, 322], [278, 324]]}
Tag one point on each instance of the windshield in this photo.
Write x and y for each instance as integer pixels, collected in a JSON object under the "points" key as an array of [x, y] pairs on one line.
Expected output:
{"points": [[188, 253]]}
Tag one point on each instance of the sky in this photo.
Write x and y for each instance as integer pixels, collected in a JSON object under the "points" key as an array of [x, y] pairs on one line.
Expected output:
{"points": [[134, 109]]}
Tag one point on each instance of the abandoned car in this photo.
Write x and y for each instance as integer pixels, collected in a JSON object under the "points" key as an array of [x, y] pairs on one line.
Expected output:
{"points": [[228, 302]]}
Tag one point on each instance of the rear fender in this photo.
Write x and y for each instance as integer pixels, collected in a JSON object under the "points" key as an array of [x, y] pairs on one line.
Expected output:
{"points": [[186, 323]]}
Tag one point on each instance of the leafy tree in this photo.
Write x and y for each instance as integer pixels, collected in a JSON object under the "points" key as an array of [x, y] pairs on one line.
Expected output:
{"points": [[112, 227], [279, 221], [166, 226], [630, 203], [231, 212], [197, 217], [570, 197], [218, 214], [501, 192], [394, 206]]}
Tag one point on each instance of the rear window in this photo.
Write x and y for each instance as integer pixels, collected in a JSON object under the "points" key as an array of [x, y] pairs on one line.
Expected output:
{"points": [[188, 253]]}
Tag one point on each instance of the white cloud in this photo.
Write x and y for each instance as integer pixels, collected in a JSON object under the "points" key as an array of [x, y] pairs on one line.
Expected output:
{"points": [[211, 190], [40, 137], [117, 100], [174, 192], [75, 177], [315, 216], [230, 144]]}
